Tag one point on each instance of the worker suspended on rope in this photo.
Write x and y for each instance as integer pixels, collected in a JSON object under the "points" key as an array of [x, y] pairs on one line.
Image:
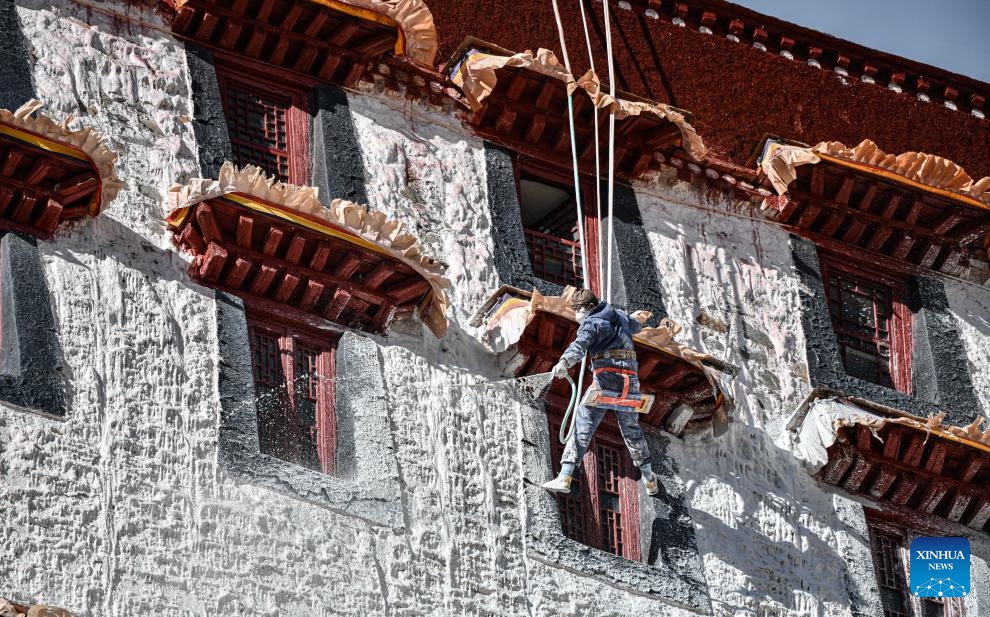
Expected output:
{"points": [[605, 333]]}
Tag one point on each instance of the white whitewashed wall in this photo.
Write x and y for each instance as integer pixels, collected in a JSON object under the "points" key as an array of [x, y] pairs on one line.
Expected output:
{"points": [[122, 508]]}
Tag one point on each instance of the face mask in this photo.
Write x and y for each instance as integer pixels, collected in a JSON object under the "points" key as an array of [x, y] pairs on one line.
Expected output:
{"points": [[581, 315]]}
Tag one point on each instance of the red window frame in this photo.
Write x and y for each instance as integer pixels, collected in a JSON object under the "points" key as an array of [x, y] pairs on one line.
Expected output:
{"points": [[889, 543], [541, 244], [865, 280], [602, 510], [281, 355], [282, 89]]}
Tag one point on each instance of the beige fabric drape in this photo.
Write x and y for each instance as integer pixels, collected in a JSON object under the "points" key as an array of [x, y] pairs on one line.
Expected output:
{"points": [[934, 171], [826, 416], [388, 234], [90, 141], [477, 77]]}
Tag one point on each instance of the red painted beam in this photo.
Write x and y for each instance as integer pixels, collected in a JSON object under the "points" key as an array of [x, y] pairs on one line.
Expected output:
{"points": [[341, 298], [213, 262], [238, 272], [296, 247], [348, 265], [263, 280], [407, 290], [245, 230], [314, 290]]}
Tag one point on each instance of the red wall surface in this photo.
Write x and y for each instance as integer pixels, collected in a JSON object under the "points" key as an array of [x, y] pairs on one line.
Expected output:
{"points": [[736, 93]]}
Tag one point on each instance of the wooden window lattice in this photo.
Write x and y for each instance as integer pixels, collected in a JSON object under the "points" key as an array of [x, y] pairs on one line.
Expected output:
{"points": [[267, 120], [294, 397], [267, 366], [889, 578], [610, 510], [554, 259], [594, 512], [258, 127], [871, 325], [861, 314]]}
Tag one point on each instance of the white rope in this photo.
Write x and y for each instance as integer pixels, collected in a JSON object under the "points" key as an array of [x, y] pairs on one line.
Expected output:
{"points": [[611, 149], [574, 156], [598, 163], [580, 220]]}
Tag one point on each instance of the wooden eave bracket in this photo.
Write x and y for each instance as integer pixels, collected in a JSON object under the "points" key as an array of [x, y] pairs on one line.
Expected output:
{"points": [[869, 207], [50, 173], [342, 264], [328, 40], [892, 458], [520, 101], [539, 337]]}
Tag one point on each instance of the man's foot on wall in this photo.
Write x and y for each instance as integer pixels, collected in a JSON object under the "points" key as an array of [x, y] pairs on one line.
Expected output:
{"points": [[560, 484], [652, 486]]}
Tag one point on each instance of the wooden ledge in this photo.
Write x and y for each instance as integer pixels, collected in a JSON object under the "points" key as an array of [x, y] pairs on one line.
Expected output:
{"points": [[263, 252], [44, 182], [526, 111], [858, 207], [924, 471], [325, 40], [892, 458], [673, 380]]}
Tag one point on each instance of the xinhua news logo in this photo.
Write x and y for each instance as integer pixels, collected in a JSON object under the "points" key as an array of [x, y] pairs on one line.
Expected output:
{"points": [[940, 567]]}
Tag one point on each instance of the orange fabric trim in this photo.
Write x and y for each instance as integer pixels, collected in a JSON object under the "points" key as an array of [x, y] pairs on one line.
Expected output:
{"points": [[889, 175], [369, 15]]}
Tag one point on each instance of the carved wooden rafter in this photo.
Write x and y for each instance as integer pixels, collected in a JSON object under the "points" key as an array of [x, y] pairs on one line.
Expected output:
{"points": [[264, 258], [43, 183], [927, 473], [860, 210], [309, 38]]}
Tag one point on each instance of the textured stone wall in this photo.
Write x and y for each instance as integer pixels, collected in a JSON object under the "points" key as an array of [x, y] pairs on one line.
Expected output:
{"points": [[123, 507]]}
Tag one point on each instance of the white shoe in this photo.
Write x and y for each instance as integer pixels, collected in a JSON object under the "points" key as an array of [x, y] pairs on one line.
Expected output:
{"points": [[560, 484], [652, 486]]}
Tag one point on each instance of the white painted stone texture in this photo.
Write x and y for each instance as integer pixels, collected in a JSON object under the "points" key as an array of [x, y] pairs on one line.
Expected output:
{"points": [[123, 508]]}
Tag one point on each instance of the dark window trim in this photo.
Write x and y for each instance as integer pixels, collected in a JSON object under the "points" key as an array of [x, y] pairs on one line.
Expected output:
{"points": [[33, 379], [289, 334], [265, 80], [364, 487], [901, 343], [940, 372], [636, 282]]}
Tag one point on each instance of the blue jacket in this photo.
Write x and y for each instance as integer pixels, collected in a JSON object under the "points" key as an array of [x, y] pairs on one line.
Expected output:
{"points": [[606, 328]]}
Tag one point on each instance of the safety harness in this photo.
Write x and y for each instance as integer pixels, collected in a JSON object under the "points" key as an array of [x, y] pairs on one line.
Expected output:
{"points": [[595, 397]]}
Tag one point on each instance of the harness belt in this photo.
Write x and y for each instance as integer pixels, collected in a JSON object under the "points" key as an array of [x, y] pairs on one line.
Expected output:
{"points": [[614, 369], [618, 401], [615, 354]]}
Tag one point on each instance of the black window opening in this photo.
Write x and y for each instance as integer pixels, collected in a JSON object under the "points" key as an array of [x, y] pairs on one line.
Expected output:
{"points": [[550, 226], [890, 539], [871, 319], [293, 385]]}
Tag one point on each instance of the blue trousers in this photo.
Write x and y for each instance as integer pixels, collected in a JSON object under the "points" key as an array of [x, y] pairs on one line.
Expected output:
{"points": [[587, 419]]}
